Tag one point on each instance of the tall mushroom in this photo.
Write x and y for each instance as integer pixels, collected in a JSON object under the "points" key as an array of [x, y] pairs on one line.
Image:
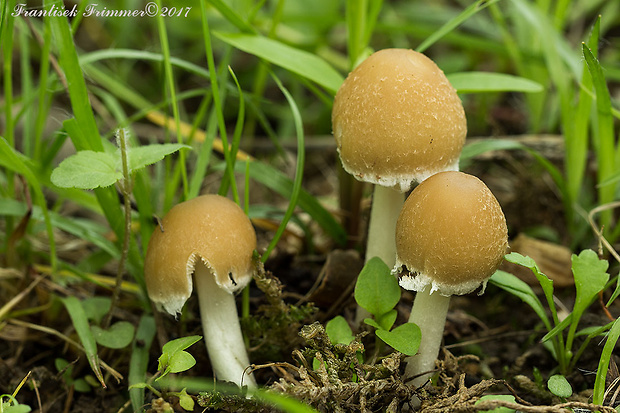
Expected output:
{"points": [[211, 237], [451, 236], [396, 120]]}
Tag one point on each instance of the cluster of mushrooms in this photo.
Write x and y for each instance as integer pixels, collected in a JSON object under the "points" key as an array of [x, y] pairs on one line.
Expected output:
{"points": [[397, 122]]}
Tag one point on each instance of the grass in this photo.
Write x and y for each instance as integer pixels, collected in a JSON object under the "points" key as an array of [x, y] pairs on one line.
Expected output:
{"points": [[233, 74]]}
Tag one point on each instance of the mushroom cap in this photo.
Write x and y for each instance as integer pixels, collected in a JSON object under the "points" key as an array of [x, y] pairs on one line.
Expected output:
{"points": [[211, 228], [451, 235], [397, 120]]}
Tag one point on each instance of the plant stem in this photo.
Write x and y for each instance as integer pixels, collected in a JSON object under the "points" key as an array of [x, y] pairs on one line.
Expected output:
{"points": [[126, 191], [429, 313], [386, 206], [221, 330]]}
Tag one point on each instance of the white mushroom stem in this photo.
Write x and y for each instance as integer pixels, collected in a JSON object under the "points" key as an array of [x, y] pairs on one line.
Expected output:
{"points": [[384, 212], [429, 313], [221, 329]]}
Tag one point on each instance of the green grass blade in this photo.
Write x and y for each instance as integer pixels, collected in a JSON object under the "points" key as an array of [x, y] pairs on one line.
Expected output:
{"points": [[83, 128], [163, 38], [82, 328], [229, 14], [454, 23], [305, 64], [107, 54], [605, 147], [218, 107], [139, 361], [18, 163], [603, 365], [485, 82], [299, 169]]}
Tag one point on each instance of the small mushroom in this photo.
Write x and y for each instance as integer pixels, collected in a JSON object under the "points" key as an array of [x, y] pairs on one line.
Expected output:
{"points": [[397, 120], [451, 236], [211, 237]]}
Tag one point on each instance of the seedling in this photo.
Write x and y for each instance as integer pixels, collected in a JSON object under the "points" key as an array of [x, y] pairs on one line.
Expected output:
{"points": [[377, 291], [174, 359], [591, 277]]}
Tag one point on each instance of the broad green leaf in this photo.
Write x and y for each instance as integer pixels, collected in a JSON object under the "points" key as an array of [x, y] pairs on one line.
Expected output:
{"points": [[142, 156], [86, 170], [590, 275], [297, 61], [377, 290], [484, 82], [559, 386], [339, 331], [119, 335], [504, 397], [80, 323], [404, 338], [519, 288]]}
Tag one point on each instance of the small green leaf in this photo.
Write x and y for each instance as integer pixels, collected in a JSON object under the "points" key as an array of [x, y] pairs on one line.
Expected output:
{"points": [[503, 397], [377, 290], [179, 344], [559, 386], [590, 275], [339, 331], [96, 308], [404, 338], [81, 386], [119, 335], [545, 282], [86, 170], [185, 400], [174, 359], [180, 361], [149, 154], [371, 322], [484, 82], [386, 321]]}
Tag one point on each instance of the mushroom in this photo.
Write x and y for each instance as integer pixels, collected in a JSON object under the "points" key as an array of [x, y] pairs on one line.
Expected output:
{"points": [[397, 120], [211, 237], [451, 236]]}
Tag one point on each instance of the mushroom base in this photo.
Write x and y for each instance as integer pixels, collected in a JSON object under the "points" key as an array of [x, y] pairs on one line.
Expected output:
{"points": [[222, 331], [429, 313]]}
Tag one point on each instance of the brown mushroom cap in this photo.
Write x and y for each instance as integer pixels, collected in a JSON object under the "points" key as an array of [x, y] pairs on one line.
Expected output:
{"points": [[397, 119], [451, 234], [209, 227]]}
